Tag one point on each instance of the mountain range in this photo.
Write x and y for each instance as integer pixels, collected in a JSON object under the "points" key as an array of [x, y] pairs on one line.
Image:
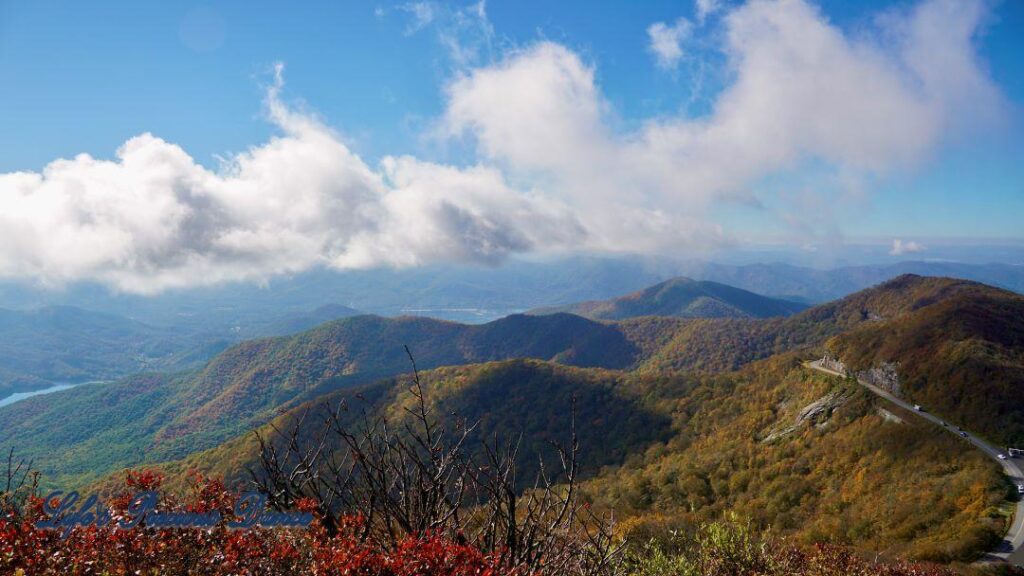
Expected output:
{"points": [[773, 441], [474, 294], [186, 328], [248, 383], [681, 418]]}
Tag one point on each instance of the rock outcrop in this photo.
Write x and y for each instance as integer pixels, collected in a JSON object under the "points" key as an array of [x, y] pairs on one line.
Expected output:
{"points": [[830, 362], [818, 412], [815, 414], [884, 376]]}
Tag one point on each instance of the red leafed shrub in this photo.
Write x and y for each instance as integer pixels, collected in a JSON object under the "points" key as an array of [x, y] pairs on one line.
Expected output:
{"points": [[220, 550], [720, 549]]}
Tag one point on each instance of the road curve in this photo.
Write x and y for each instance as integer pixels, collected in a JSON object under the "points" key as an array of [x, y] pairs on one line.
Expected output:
{"points": [[1011, 549]]}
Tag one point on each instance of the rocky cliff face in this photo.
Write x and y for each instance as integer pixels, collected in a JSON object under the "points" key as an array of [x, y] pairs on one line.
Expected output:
{"points": [[884, 376], [832, 363], [817, 414]]}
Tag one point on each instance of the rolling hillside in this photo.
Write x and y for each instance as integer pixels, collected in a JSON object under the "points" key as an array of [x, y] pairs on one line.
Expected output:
{"points": [[669, 452], [682, 298], [501, 398], [159, 417]]}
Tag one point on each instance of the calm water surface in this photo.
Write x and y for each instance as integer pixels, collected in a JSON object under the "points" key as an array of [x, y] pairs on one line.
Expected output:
{"points": [[22, 395]]}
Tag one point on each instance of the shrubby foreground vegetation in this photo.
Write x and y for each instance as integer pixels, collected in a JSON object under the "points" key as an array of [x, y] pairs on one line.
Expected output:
{"points": [[415, 502], [717, 549]]}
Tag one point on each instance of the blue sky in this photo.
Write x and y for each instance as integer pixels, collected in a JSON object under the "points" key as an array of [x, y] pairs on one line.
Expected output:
{"points": [[82, 77]]}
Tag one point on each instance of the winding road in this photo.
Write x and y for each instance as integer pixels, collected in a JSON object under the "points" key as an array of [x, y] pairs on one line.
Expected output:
{"points": [[1011, 549]]}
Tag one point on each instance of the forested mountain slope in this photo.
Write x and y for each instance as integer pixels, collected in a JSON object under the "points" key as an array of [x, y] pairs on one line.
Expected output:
{"points": [[960, 356], [813, 457], [809, 456]]}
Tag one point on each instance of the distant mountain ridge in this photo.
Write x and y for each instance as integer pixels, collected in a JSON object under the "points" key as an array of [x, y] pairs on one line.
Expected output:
{"points": [[66, 344], [715, 345], [816, 285], [474, 294], [298, 321], [682, 298]]}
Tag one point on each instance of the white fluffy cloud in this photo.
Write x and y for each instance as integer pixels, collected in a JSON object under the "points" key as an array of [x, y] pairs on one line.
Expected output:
{"points": [[899, 247], [153, 218], [540, 116], [551, 172], [665, 41], [803, 92]]}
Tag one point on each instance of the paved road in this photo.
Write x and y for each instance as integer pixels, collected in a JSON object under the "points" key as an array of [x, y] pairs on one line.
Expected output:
{"points": [[1012, 547]]}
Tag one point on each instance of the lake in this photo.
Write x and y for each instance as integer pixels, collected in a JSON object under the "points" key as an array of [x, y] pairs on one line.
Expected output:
{"points": [[18, 396]]}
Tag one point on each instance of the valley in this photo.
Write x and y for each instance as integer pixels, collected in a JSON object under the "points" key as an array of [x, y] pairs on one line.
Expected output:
{"points": [[61, 345]]}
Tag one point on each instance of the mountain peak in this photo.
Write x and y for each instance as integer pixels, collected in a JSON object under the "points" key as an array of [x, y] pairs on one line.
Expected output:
{"points": [[682, 297]]}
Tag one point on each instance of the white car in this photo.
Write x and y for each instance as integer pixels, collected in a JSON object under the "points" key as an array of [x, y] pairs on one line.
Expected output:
{"points": [[918, 408], [1001, 456], [1020, 489]]}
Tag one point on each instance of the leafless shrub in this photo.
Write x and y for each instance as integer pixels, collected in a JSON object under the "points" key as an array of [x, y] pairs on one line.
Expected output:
{"points": [[421, 477], [17, 481]]}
